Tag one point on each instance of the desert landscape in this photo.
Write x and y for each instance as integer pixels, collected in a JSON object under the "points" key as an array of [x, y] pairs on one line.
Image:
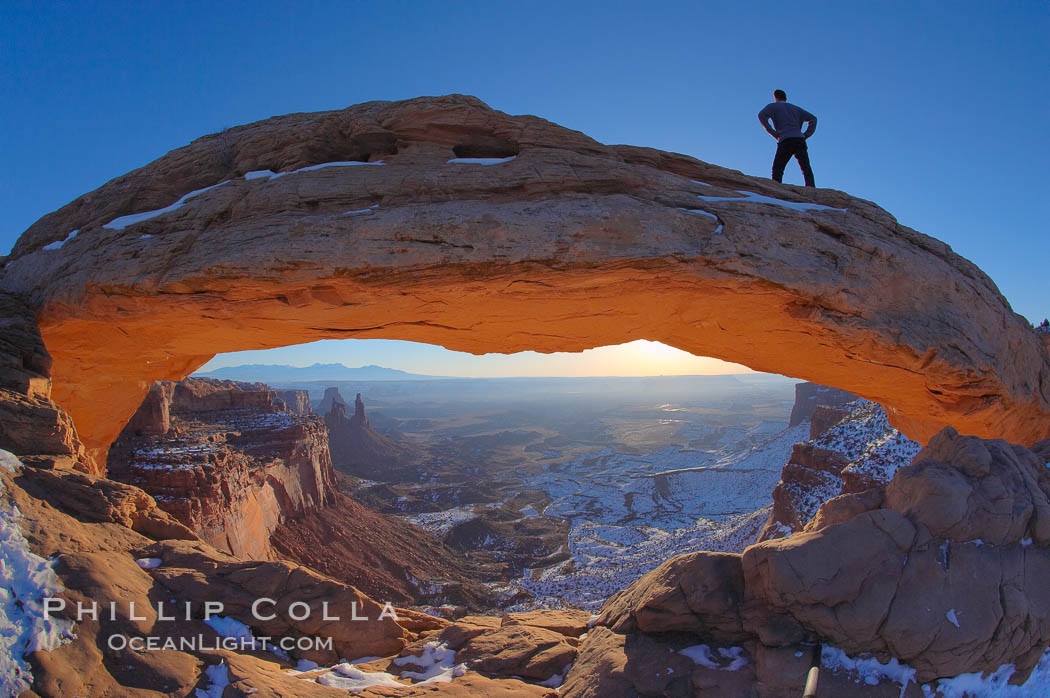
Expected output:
{"points": [[669, 535]]}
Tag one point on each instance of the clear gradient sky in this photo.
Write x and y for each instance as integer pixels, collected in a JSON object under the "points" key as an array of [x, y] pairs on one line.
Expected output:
{"points": [[937, 111]]}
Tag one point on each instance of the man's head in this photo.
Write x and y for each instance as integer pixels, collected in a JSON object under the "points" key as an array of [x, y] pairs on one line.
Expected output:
{"points": [[780, 95]]}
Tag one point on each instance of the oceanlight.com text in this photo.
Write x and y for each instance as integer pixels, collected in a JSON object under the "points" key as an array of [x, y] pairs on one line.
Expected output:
{"points": [[198, 643]]}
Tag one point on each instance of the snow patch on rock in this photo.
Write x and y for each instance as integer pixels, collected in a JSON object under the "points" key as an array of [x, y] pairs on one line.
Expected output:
{"points": [[761, 199], [26, 579], [58, 243], [702, 655], [219, 675], [125, 221]]}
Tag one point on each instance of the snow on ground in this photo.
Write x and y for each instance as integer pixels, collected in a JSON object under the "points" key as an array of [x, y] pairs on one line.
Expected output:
{"points": [[436, 664], [556, 680], [481, 161], [230, 627], [870, 671], [175, 454], [441, 522], [760, 199], [26, 579], [806, 497], [270, 174], [729, 658], [219, 675], [872, 447], [348, 677], [629, 512], [995, 685], [125, 221], [189, 453]]}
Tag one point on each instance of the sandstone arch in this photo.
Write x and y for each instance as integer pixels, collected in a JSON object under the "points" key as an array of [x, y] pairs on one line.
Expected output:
{"points": [[558, 243]]}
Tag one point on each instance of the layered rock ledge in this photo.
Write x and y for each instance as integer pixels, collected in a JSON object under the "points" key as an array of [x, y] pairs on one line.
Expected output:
{"points": [[444, 221], [229, 460]]}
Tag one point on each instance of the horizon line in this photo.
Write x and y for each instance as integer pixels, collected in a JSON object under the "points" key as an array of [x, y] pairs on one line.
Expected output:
{"points": [[204, 374]]}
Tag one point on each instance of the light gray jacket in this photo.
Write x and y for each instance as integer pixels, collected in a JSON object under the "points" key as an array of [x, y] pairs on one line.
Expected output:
{"points": [[787, 120]]}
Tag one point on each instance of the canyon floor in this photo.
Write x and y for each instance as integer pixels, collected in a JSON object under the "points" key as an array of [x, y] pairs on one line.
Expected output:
{"points": [[566, 491]]}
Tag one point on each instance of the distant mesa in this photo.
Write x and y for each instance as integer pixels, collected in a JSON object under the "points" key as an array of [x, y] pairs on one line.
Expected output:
{"points": [[330, 400]]}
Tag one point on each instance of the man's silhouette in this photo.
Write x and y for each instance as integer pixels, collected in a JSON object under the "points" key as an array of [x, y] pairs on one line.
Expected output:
{"points": [[787, 129]]}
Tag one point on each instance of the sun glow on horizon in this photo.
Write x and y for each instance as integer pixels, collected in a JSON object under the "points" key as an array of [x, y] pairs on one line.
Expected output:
{"points": [[640, 357]]}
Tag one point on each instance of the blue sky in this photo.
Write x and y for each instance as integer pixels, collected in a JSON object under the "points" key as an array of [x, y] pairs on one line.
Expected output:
{"points": [[935, 110]]}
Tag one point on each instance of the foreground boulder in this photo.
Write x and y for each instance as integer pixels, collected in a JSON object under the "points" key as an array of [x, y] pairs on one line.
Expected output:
{"points": [[92, 498], [198, 574]]}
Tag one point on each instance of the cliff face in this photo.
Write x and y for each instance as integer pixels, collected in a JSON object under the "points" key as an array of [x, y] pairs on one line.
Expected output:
{"points": [[253, 478], [298, 401], [553, 242], [229, 460], [810, 396], [32, 426], [852, 450]]}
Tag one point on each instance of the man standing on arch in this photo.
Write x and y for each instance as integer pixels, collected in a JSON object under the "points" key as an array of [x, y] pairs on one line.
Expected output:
{"points": [[787, 129]]}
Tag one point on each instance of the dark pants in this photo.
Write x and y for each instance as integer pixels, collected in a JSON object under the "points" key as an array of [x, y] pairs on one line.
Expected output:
{"points": [[785, 149]]}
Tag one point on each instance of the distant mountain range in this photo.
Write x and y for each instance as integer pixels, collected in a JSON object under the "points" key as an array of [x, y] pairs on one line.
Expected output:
{"points": [[273, 373], [286, 376]]}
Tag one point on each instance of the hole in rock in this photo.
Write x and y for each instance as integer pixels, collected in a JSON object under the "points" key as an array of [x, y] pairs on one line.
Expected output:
{"points": [[440, 479], [486, 147]]}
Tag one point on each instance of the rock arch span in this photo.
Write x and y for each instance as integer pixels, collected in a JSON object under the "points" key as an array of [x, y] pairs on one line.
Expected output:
{"points": [[441, 220]]}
